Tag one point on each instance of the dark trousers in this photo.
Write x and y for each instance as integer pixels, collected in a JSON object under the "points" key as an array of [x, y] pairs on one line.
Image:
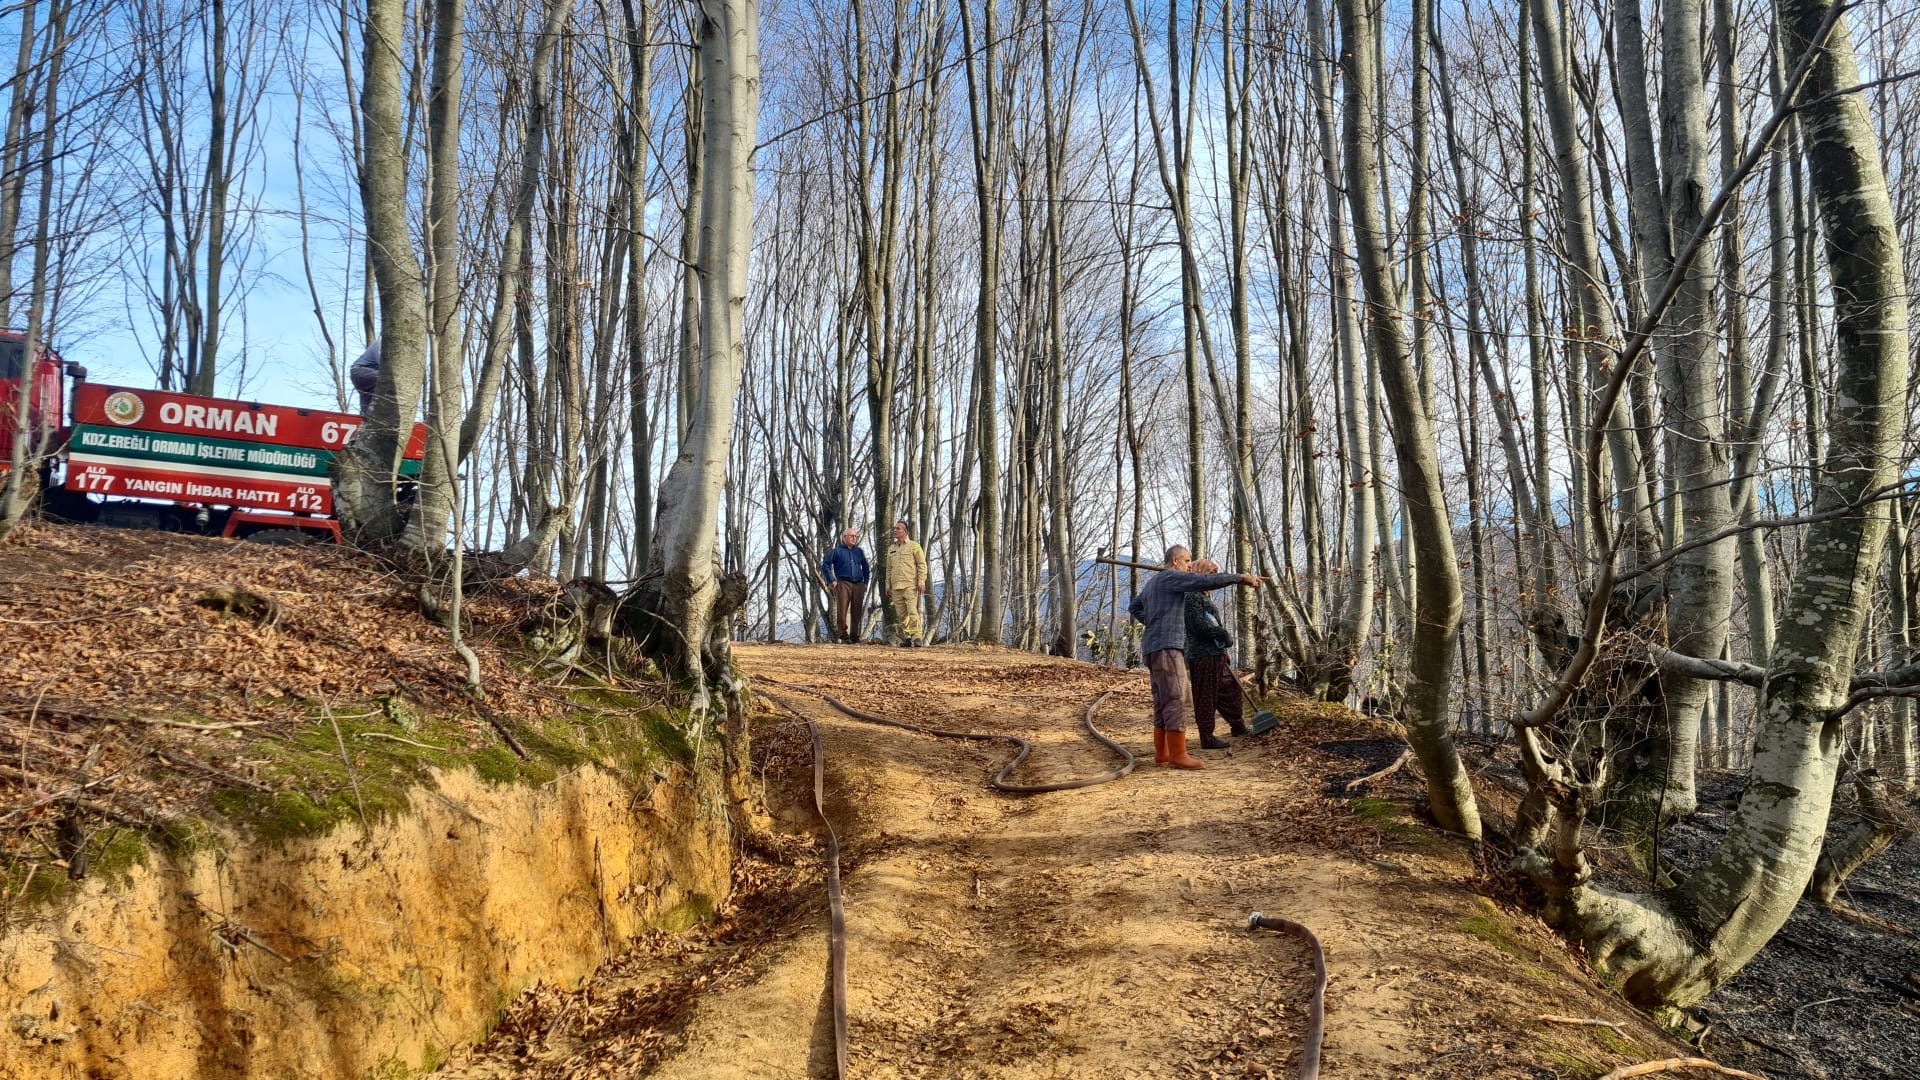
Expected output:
{"points": [[1214, 689], [849, 609]]}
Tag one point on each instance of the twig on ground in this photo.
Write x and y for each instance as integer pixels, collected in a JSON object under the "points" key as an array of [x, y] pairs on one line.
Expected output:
{"points": [[1648, 1068], [1406, 755], [21, 776], [176, 758], [1809, 1005], [59, 622], [1580, 1021], [71, 795], [160, 722], [398, 739], [345, 761], [500, 726]]}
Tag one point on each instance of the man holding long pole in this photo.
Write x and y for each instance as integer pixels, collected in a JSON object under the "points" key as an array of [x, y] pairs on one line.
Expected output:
{"points": [[1161, 606], [1209, 669]]}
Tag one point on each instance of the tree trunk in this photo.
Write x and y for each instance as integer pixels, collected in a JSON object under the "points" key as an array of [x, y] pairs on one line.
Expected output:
{"points": [[1674, 947], [1884, 821], [639, 133], [508, 281], [434, 502], [1700, 579], [1062, 568], [985, 111], [690, 597], [363, 476], [13, 152], [218, 180], [1437, 601], [22, 480], [1333, 679]]}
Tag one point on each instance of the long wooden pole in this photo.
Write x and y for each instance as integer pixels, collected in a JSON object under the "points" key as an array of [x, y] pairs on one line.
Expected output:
{"points": [[1155, 566]]}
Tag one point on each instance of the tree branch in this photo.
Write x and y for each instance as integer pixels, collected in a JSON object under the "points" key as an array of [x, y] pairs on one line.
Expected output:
{"points": [[1699, 667]]}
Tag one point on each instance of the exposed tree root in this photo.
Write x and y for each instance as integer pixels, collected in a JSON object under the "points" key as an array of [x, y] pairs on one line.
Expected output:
{"points": [[1406, 755], [1648, 1068]]}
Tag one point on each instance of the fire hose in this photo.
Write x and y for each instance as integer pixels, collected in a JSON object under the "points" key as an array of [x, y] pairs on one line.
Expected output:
{"points": [[837, 929], [1000, 781], [1317, 1002]]}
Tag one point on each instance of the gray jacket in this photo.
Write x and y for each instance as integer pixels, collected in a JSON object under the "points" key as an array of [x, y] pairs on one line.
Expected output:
{"points": [[1161, 605]]}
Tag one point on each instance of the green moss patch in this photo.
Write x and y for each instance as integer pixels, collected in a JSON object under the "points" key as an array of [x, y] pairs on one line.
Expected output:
{"points": [[687, 915], [1617, 1043], [391, 750], [1490, 926], [111, 853], [1390, 819], [1567, 1062]]}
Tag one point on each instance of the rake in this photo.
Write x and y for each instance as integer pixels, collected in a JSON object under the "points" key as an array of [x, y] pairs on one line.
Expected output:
{"points": [[1262, 720]]}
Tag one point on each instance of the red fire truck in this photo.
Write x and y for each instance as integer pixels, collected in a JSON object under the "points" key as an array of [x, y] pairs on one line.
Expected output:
{"points": [[152, 459]]}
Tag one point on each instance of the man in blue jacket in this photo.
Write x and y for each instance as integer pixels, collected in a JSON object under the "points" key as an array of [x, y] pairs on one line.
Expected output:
{"points": [[1161, 606], [846, 571]]}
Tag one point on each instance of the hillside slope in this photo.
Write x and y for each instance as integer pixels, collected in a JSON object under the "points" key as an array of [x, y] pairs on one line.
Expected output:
{"points": [[252, 827]]}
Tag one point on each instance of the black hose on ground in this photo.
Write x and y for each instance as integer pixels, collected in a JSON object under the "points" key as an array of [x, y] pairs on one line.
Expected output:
{"points": [[1317, 1004], [837, 930], [1000, 781]]}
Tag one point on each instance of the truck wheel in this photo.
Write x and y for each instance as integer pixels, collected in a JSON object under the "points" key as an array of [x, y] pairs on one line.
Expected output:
{"points": [[279, 537]]}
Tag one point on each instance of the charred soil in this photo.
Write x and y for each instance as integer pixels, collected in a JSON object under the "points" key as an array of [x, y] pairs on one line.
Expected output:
{"points": [[1836, 994]]}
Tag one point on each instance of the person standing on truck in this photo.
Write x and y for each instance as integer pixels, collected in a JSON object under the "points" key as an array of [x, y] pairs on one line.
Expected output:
{"points": [[1160, 606], [846, 572], [906, 583], [1209, 669], [365, 374]]}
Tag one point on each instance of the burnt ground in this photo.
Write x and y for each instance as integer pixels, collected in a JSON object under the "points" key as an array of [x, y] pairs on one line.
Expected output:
{"points": [[1831, 997]]}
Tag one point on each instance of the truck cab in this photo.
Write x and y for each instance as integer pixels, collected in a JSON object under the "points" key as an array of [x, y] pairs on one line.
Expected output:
{"points": [[46, 408]]}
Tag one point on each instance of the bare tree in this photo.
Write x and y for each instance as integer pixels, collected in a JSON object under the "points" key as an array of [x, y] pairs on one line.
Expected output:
{"points": [[686, 610], [1437, 574]]}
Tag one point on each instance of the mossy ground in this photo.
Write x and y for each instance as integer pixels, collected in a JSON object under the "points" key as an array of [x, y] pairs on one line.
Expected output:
{"points": [[360, 764], [1490, 926], [1391, 819], [1570, 1058]]}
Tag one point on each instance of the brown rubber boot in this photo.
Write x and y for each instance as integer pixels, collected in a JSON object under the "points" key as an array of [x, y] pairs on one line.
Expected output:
{"points": [[1177, 755], [1159, 747]]}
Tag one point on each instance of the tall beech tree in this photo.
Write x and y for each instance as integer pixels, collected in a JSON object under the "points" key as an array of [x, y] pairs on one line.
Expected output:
{"points": [[1437, 599], [684, 611], [1673, 946]]}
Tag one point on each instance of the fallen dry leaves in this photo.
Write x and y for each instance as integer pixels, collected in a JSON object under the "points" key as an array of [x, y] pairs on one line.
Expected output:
{"points": [[120, 685]]}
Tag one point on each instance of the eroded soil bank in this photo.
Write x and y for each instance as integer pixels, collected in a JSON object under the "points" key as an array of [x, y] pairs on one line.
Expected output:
{"points": [[364, 952]]}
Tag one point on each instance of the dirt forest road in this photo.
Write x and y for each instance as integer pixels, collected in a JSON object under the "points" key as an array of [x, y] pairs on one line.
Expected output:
{"points": [[1091, 933]]}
